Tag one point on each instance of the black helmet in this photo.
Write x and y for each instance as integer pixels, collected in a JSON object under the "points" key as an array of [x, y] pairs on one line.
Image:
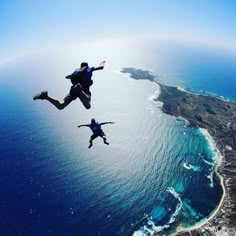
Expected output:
{"points": [[93, 120], [84, 64]]}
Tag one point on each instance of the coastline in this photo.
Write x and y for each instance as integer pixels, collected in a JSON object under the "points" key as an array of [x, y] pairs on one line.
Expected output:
{"points": [[205, 221], [218, 118], [182, 118], [218, 223]]}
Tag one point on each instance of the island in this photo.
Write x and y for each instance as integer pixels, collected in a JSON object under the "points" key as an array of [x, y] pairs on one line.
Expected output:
{"points": [[218, 117]]}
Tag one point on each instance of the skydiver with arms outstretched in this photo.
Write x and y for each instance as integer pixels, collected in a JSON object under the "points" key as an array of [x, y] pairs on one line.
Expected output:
{"points": [[97, 131], [81, 80]]}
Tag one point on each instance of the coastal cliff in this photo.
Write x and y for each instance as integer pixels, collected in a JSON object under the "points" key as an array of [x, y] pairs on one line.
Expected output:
{"points": [[218, 117]]}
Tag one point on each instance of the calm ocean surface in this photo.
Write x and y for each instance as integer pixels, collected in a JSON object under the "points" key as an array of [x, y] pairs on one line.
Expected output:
{"points": [[52, 184]]}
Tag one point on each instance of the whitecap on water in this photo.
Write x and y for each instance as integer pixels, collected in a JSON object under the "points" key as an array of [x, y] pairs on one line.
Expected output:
{"points": [[212, 144], [210, 177], [191, 167], [209, 163], [151, 228], [139, 233], [178, 207], [154, 96]]}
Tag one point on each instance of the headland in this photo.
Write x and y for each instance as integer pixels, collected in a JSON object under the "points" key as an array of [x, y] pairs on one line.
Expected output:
{"points": [[218, 117]]}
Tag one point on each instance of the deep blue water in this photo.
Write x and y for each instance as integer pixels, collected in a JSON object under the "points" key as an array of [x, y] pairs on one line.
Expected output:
{"points": [[52, 184], [46, 192], [200, 70], [216, 77]]}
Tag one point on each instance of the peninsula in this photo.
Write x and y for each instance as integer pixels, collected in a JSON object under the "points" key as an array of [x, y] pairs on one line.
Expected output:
{"points": [[218, 117]]}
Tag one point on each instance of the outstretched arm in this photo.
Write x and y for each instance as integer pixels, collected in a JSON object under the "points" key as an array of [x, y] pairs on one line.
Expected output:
{"points": [[110, 122], [101, 66], [87, 125]]}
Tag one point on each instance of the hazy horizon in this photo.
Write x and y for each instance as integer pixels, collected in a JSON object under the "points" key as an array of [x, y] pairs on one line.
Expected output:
{"points": [[28, 26]]}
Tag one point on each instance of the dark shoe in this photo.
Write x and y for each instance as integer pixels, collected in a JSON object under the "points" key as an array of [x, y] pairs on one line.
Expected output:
{"points": [[106, 143], [41, 95], [90, 145]]}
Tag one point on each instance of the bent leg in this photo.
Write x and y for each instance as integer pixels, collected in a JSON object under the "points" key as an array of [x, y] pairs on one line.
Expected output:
{"points": [[85, 99], [103, 136], [78, 91], [91, 140], [105, 141], [57, 104]]}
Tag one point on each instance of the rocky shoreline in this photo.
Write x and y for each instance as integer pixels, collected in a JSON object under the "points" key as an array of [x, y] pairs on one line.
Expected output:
{"points": [[218, 117]]}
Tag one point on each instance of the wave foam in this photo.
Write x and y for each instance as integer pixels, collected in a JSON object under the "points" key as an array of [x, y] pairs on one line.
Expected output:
{"points": [[157, 228], [210, 177], [209, 163], [139, 233], [154, 96], [216, 154], [151, 228], [212, 144], [180, 118], [178, 207], [191, 167], [181, 89]]}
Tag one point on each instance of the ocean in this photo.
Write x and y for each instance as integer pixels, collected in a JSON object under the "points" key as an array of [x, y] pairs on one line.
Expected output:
{"points": [[156, 174]]}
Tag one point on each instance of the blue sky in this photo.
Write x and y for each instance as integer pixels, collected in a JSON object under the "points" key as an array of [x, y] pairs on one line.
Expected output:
{"points": [[28, 25]]}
